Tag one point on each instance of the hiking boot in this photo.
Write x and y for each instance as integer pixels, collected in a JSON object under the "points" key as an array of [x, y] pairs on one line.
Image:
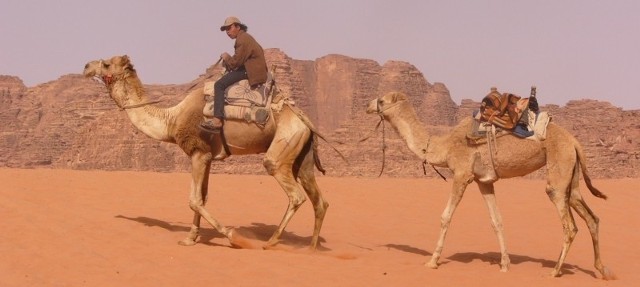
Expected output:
{"points": [[213, 125]]}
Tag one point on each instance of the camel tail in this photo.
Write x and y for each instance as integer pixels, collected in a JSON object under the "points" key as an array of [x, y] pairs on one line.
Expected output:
{"points": [[585, 173], [316, 134], [316, 157]]}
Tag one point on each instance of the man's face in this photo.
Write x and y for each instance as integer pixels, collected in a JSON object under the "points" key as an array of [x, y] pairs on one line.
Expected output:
{"points": [[233, 30]]}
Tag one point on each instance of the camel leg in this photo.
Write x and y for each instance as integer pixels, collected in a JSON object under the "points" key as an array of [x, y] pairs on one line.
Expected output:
{"points": [[195, 226], [489, 195], [459, 185], [559, 195], [580, 206], [561, 171], [278, 161], [200, 165], [307, 179]]}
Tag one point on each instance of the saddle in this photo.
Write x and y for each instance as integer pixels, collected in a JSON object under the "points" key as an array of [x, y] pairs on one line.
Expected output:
{"points": [[503, 110], [502, 114], [242, 102]]}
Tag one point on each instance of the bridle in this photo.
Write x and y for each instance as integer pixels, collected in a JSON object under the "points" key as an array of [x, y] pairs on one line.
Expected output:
{"points": [[379, 112], [109, 79]]}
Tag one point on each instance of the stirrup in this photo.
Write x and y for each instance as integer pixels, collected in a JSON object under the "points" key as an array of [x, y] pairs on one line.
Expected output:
{"points": [[209, 127]]}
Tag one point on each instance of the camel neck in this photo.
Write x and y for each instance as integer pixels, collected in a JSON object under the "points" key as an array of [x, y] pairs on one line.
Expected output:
{"points": [[150, 120], [416, 136]]}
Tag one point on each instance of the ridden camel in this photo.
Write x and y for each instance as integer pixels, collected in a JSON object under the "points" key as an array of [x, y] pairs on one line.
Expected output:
{"points": [[560, 152], [288, 142]]}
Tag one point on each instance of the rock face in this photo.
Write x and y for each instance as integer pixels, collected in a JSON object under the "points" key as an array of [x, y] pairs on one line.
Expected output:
{"points": [[72, 123]]}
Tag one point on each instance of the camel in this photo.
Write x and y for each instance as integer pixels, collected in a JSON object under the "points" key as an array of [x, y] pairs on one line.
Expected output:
{"points": [[560, 152], [288, 142]]}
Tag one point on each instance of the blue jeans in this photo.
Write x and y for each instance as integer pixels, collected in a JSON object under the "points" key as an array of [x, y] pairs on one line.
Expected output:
{"points": [[222, 84]]}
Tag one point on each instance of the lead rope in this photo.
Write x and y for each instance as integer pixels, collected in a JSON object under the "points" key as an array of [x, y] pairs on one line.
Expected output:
{"points": [[384, 148], [492, 143], [380, 122], [139, 105]]}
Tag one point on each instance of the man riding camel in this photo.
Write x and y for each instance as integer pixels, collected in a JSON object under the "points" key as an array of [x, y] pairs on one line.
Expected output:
{"points": [[248, 62]]}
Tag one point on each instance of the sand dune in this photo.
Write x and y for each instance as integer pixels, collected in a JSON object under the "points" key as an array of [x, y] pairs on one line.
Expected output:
{"points": [[96, 228]]}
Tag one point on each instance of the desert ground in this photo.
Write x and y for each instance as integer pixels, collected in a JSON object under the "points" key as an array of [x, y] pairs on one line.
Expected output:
{"points": [[99, 228]]}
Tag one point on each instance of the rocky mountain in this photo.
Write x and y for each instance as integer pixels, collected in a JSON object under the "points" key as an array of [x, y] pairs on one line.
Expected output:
{"points": [[72, 123]]}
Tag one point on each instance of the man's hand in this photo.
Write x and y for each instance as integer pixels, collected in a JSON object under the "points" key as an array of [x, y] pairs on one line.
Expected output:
{"points": [[225, 56]]}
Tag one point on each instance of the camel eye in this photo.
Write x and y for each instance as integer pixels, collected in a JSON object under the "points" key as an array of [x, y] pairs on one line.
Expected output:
{"points": [[105, 65]]}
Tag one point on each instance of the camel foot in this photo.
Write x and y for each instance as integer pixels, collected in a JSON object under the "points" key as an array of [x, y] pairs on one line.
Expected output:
{"points": [[556, 273], [431, 264], [504, 264], [271, 244], [608, 274], [187, 242], [238, 241]]}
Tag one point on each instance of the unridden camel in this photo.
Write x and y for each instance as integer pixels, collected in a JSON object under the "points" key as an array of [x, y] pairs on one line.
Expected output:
{"points": [[560, 153]]}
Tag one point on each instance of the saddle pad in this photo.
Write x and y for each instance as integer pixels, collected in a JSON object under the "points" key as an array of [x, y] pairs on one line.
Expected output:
{"points": [[241, 94], [538, 124], [258, 115]]}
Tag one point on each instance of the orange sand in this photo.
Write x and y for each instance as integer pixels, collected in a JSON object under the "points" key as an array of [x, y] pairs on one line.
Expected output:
{"points": [[96, 228]]}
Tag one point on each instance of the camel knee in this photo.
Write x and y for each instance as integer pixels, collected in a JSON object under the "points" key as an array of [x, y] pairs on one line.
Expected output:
{"points": [[297, 200], [550, 191], [570, 233], [321, 209], [595, 225], [573, 232], [444, 222], [270, 166], [497, 227], [195, 205]]}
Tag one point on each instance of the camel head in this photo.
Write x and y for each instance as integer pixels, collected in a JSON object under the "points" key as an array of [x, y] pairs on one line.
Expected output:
{"points": [[107, 70], [386, 102]]}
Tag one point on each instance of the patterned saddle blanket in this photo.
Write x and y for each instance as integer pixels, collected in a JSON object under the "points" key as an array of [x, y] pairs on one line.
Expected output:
{"points": [[536, 126], [506, 113], [242, 102], [503, 110]]}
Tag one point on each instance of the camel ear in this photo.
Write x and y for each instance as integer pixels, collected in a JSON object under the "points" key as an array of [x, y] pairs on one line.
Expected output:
{"points": [[398, 96], [126, 63]]}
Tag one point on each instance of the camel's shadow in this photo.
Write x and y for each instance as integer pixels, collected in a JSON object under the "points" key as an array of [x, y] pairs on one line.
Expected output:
{"points": [[408, 249], [493, 258], [256, 231]]}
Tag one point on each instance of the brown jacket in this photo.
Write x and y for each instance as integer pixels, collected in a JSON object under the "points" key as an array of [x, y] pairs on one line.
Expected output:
{"points": [[249, 53]]}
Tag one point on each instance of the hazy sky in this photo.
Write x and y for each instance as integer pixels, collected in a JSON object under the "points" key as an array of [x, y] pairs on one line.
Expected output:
{"points": [[571, 49]]}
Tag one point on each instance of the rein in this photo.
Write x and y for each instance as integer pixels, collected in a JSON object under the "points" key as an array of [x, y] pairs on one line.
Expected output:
{"points": [[108, 80], [384, 146], [214, 65], [424, 169], [139, 105]]}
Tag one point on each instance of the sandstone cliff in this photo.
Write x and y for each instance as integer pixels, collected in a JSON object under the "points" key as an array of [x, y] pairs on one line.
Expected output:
{"points": [[72, 123]]}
